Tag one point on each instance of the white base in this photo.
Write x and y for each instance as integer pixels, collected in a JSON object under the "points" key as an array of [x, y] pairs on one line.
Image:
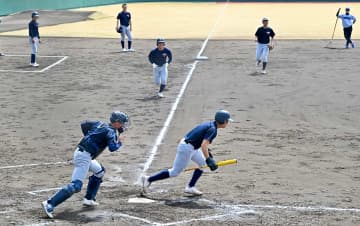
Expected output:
{"points": [[140, 200]]}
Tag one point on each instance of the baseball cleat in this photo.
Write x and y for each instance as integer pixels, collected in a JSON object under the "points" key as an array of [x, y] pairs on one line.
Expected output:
{"points": [[192, 190], [1, 54], [124, 50], [145, 183], [131, 50], [263, 72], [161, 95], [353, 45], [48, 208], [34, 64], [89, 203]]}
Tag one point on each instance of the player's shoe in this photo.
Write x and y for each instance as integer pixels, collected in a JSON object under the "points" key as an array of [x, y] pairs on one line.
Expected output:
{"points": [[34, 64], [124, 50], [263, 72], [192, 190], [160, 94], [89, 203], [1, 54], [48, 208], [145, 183], [353, 45], [131, 50]]}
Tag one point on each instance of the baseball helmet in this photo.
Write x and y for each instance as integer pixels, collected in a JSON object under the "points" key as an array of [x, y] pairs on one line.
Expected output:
{"points": [[160, 40], [118, 116], [222, 116], [34, 14]]}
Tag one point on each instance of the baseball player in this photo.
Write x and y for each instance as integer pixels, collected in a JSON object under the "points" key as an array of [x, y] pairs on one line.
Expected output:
{"points": [[160, 58], [347, 21], [97, 136], [34, 38], [124, 27], [194, 146], [1, 54], [264, 38]]}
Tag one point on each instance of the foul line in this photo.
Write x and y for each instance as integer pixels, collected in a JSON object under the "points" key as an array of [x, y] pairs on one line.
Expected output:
{"points": [[63, 58], [42, 190], [168, 120], [35, 164]]}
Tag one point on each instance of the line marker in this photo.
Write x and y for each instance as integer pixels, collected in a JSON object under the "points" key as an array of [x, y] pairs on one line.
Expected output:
{"points": [[42, 190], [35, 164]]}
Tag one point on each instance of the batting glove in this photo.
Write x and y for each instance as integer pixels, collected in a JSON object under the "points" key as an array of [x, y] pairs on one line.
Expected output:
{"points": [[210, 162]]}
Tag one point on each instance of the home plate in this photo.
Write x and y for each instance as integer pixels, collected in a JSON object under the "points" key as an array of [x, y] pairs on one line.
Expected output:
{"points": [[140, 200]]}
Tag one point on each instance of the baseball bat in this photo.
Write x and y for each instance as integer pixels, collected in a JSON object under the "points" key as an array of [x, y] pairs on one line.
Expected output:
{"points": [[220, 163]]}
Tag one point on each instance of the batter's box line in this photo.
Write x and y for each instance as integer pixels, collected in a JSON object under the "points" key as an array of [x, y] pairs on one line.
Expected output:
{"points": [[35, 165], [63, 58]]}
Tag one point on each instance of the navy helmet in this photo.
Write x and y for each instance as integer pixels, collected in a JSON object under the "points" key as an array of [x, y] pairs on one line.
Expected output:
{"points": [[118, 116], [222, 116], [34, 14], [160, 40]]}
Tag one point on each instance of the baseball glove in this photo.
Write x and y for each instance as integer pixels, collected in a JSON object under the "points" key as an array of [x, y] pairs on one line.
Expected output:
{"points": [[119, 30], [271, 47]]}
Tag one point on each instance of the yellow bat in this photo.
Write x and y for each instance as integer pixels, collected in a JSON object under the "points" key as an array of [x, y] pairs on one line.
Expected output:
{"points": [[220, 163]]}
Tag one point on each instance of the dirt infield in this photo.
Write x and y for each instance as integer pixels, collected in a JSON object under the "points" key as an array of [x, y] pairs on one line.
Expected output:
{"points": [[295, 133]]}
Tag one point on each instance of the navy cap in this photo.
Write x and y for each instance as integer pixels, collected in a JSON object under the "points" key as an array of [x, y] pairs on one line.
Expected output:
{"points": [[34, 14], [347, 8]]}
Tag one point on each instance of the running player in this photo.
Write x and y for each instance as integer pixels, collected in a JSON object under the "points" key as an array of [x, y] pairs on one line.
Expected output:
{"points": [[124, 27], [347, 21], [194, 146], [34, 38], [97, 136], [160, 58], [264, 37]]}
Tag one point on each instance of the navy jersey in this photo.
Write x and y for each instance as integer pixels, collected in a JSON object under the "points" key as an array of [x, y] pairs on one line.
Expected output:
{"points": [[34, 29], [97, 136], [160, 57], [124, 18], [263, 35], [204, 131]]}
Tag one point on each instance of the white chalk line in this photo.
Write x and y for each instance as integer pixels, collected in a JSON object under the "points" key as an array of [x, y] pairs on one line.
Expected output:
{"points": [[36, 192], [171, 114], [35, 164], [63, 58]]}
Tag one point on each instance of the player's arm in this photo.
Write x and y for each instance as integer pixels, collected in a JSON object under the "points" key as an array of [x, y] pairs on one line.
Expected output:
{"points": [[272, 37], [113, 142], [130, 23], [205, 148], [170, 57], [150, 57], [256, 35], [354, 20], [117, 24]]}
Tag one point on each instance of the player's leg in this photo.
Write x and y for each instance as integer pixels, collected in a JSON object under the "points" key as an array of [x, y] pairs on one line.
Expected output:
{"points": [[347, 37], [123, 37], [129, 37], [82, 162], [163, 78], [350, 33], [34, 48], [199, 159], [265, 54], [258, 54], [182, 159], [94, 183]]}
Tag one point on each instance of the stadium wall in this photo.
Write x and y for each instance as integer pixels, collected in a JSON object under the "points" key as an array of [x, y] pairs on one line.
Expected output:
{"points": [[12, 6]]}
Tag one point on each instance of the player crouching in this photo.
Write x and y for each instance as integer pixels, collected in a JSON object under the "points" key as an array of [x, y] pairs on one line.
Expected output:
{"points": [[194, 146], [97, 136]]}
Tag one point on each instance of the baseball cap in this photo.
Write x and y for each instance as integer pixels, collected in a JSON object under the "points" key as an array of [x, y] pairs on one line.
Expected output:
{"points": [[265, 19], [347, 8], [33, 14]]}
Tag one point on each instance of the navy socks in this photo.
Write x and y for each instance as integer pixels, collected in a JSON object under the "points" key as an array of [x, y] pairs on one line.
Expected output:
{"points": [[160, 176]]}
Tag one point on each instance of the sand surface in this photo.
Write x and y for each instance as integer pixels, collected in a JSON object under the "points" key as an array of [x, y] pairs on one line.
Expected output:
{"points": [[296, 132]]}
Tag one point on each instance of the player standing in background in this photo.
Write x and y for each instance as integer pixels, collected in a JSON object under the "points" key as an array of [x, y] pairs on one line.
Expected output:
{"points": [[160, 58], [124, 27], [97, 136], [194, 146], [34, 38], [1, 54], [264, 38], [347, 21]]}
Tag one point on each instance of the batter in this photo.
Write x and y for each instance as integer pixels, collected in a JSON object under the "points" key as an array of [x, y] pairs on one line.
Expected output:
{"points": [[194, 146], [97, 136]]}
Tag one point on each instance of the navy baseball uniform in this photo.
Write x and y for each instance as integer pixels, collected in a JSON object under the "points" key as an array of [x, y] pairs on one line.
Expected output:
{"points": [[97, 136], [264, 34], [347, 21], [124, 25], [34, 38]]}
